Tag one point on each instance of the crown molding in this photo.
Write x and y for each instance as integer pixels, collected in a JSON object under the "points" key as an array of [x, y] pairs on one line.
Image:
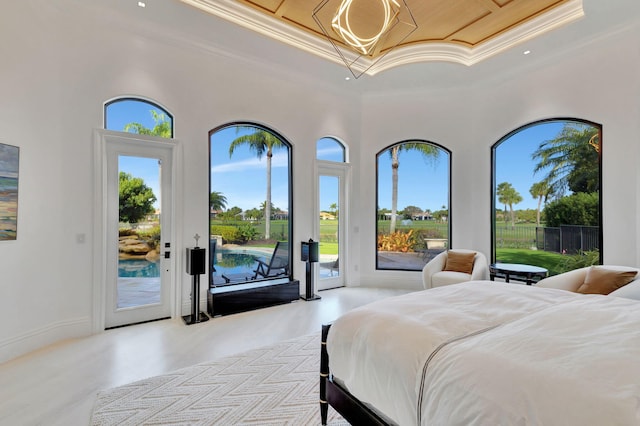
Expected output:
{"points": [[247, 17]]}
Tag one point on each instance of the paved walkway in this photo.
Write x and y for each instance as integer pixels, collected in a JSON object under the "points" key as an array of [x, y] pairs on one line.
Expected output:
{"points": [[409, 261]]}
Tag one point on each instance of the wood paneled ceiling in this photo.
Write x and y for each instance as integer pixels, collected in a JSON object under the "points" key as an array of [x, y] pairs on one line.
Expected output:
{"points": [[465, 22], [464, 31]]}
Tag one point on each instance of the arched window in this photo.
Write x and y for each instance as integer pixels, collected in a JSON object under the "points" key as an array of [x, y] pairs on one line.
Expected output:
{"points": [[138, 116], [330, 149], [412, 204], [249, 204], [547, 195]]}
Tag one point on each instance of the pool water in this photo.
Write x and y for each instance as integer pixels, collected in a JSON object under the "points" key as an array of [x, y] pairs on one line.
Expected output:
{"points": [[236, 263], [138, 268], [227, 263]]}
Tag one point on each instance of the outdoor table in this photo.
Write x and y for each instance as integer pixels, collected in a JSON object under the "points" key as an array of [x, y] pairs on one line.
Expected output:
{"points": [[517, 271]]}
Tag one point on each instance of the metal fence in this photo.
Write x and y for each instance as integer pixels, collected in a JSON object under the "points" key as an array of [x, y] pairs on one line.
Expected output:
{"points": [[568, 239], [516, 237]]}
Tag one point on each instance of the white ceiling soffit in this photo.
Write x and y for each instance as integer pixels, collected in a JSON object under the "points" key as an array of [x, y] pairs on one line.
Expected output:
{"points": [[233, 11]]}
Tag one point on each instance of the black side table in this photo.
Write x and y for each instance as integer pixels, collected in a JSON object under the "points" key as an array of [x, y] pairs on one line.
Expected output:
{"points": [[517, 271]]}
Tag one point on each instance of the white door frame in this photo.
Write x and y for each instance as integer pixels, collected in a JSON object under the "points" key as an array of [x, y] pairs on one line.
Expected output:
{"points": [[102, 138], [342, 171]]}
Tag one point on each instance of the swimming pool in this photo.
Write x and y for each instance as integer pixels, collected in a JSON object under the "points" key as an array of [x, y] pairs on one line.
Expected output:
{"points": [[229, 263], [138, 268], [236, 264]]}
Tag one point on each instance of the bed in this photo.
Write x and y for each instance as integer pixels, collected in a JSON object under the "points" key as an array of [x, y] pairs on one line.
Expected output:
{"points": [[485, 353]]}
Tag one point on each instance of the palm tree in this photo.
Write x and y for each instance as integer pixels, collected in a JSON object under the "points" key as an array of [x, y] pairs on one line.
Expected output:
{"points": [[508, 196], [334, 210], [427, 150], [161, 129], [217, 201], [261, 142], [542, 191], [571, 158]]}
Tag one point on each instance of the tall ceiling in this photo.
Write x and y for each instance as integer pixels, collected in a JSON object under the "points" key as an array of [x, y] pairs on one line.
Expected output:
{"points": [[467, 23], [462, 31], [458, 43]]}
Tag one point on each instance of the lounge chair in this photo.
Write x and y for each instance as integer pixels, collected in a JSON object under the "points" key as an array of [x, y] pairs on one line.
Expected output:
{"points": [[332, 266], [335, 267], [212, 254], [278, 265]]}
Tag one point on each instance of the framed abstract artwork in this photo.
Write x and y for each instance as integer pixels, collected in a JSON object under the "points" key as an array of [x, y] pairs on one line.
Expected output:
{"points": [[9, 162]]}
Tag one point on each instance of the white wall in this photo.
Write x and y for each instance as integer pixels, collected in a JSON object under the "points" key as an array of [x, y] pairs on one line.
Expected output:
{"points": [[54, 79], [57, 71]]}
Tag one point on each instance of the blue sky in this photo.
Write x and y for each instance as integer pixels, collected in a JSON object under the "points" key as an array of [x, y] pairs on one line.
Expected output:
{"points": [[514, 163], [422, 181], [242, 177]]}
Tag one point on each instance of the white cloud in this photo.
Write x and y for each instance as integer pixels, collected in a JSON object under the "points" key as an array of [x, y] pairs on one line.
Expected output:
{"points": [[277, 161]]}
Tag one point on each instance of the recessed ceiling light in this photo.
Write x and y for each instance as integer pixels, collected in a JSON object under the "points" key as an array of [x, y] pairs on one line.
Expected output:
{"points": [[347, 78], [142, 4], [526, 52]]}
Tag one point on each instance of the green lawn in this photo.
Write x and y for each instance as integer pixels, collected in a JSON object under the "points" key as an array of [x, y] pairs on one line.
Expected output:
{"points": [[329, 248], [544, 259], [524, 233]]}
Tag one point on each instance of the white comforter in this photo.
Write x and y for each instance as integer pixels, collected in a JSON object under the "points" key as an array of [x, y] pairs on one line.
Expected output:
{"points": [[489, 353]]}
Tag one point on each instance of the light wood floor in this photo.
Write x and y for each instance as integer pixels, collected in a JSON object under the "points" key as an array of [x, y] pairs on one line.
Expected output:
{"points": [[58, 384]]}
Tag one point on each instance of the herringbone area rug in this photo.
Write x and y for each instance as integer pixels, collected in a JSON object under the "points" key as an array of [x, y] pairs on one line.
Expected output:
{"points": [[274, 385]]}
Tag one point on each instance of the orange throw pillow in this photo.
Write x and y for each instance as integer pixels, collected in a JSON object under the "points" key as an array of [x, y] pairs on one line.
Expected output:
{"points": [[459, 262], [604, 281]]}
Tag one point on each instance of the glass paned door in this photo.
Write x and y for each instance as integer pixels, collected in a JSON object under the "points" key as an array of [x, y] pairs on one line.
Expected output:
{"points": [[138, 273], [139, 231], [330, 228]]}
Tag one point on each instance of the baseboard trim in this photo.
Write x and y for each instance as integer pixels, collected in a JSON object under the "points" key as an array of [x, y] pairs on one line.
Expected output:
{"points": [[16, 346]]}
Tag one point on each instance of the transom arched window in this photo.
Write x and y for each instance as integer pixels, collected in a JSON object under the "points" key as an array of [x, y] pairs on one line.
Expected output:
{"points": [[330, 149], [140, 116]]}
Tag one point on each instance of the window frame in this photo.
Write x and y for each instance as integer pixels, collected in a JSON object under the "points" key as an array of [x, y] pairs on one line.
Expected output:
{"points": [[494, 183], [290, 189], [377, 198], [151, 103], [339, 143]]}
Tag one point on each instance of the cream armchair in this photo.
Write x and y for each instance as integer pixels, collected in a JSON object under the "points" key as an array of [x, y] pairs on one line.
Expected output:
{"points": [[572, 280], [434, 275]]}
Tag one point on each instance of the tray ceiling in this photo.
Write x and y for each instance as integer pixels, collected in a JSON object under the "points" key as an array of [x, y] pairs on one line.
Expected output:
{"points": [[463, 31]]}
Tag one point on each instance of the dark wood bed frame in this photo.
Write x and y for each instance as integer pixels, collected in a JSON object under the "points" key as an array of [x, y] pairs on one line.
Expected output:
{"points": [[331, 393]]}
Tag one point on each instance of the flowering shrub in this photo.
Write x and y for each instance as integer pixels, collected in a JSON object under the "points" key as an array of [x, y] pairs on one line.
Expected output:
{"points": [[398, 241]]}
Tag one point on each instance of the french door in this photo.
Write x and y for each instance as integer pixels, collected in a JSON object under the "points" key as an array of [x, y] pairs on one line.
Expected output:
{"points": [[137, 250], [330, 223]]}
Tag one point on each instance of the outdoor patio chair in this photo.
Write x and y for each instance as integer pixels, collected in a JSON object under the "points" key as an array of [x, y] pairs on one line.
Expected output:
{"points": [[212, 254], [335, 267], [278, 265]]}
